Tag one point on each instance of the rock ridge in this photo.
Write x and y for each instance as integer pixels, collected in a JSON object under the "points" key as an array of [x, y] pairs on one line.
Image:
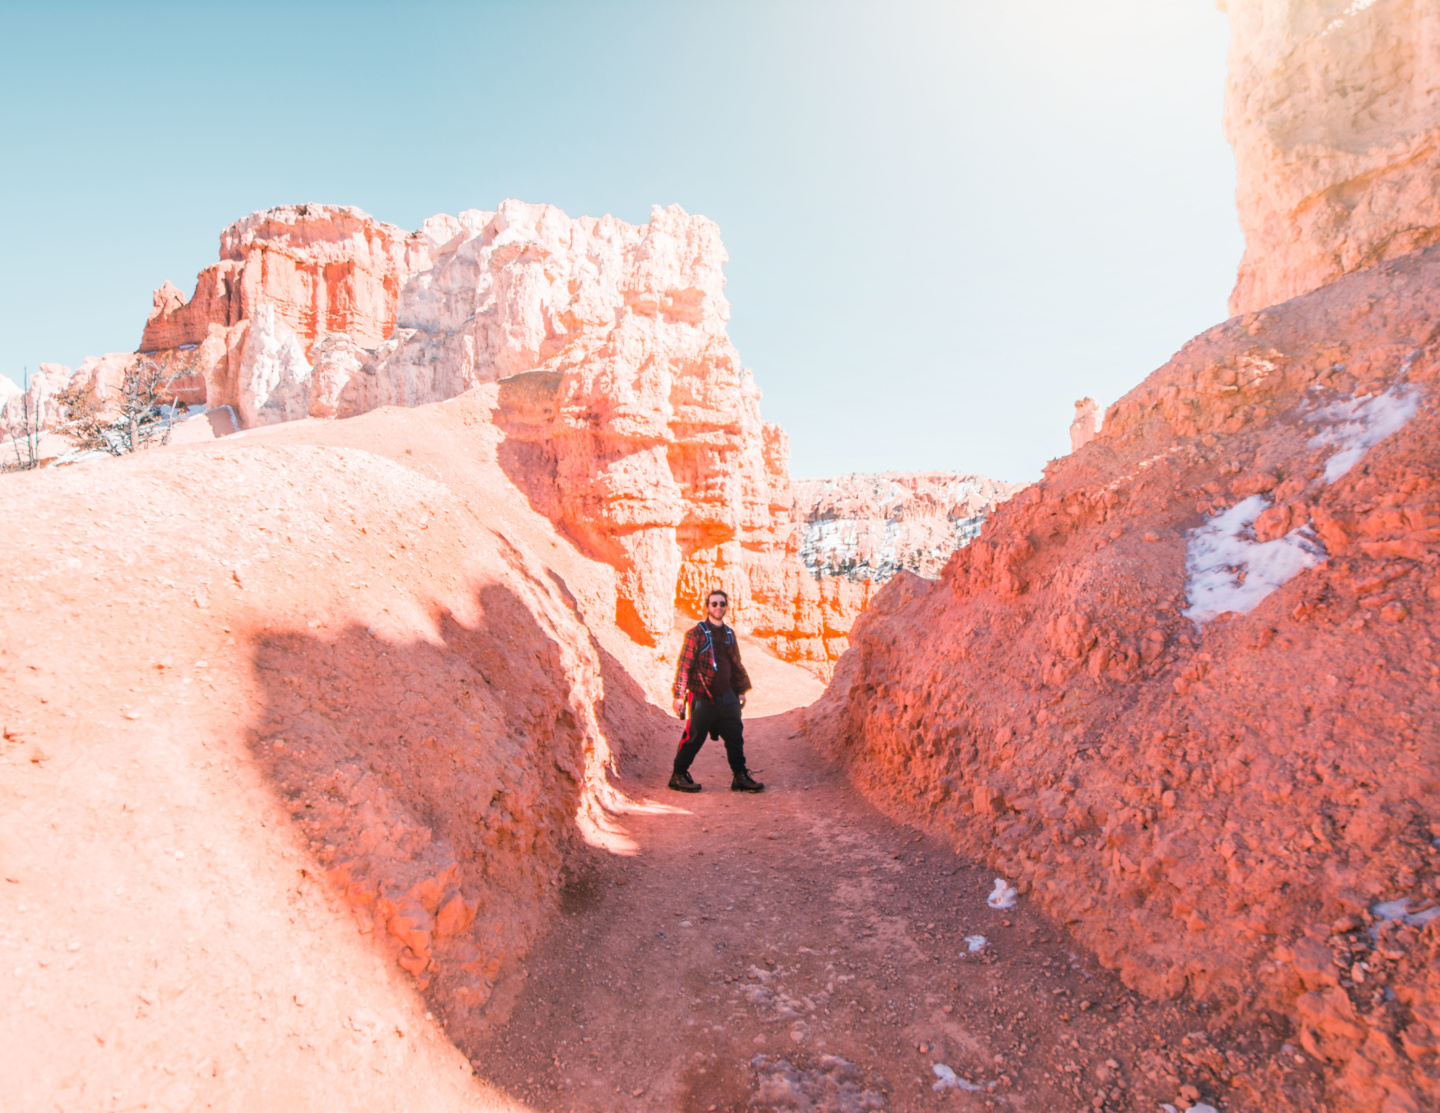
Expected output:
{"points": [[1184, 691]]}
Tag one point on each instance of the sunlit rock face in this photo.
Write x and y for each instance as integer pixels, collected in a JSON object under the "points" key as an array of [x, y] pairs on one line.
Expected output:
{"points": [[287, 278], [1333, 109], [629, 418], [1185, 693]]}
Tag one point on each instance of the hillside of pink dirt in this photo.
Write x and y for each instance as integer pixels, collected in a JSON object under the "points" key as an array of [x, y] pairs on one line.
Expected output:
{"points": [[299, 729], [1184, 691], [1333, 110]]}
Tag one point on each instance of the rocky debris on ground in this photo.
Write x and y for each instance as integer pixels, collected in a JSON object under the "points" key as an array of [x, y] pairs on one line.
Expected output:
{"points": [[1206, 758], [804, 925], [1333, 110]]}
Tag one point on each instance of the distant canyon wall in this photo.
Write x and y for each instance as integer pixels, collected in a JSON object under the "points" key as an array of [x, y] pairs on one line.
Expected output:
{"points": [[868, 527], [1333, 109]]}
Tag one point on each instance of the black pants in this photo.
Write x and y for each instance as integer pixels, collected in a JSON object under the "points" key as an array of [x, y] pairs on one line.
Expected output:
{"points": [[723, 718]]}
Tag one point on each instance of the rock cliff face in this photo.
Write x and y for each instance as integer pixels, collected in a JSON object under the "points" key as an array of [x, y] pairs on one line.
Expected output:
{"points": [[101, 375], [1185, 692], [1333, 109], [868, 527], [632, 422]]}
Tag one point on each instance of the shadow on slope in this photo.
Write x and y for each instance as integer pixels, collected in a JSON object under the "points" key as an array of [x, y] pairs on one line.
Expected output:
{"points": [[437, 782]]}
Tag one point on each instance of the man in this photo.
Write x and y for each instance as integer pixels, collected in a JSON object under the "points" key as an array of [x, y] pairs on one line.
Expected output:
{"points": [[710, 677]]}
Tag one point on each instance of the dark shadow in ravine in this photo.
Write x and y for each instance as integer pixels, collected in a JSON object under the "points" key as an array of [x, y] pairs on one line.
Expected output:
{"points": [[437, 783]]}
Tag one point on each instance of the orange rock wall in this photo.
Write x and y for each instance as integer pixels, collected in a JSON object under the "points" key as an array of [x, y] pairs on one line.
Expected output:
{"points": [[651, 452], [1333, 110], [1218, 803]]}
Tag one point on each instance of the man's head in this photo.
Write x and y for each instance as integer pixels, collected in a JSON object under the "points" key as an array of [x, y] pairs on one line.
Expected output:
{"points": [[716, 604]]}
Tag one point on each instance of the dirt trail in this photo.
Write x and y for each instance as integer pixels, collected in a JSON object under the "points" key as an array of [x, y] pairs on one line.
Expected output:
{"points": [[798, 950]]}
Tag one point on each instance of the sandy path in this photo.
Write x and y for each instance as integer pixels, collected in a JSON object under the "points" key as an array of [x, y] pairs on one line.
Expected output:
{"points": [[797, 946]]}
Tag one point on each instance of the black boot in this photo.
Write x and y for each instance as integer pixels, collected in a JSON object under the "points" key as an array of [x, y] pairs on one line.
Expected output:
{"points": [[682, 782], [743, 782]]}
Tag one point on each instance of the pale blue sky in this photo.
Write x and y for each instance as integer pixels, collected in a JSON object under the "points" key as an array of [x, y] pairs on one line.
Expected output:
{"points": [[946, 221]]}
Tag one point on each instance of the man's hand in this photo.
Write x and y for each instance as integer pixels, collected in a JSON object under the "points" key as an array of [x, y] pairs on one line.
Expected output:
{"points": [[679, 709], [742, 701]]}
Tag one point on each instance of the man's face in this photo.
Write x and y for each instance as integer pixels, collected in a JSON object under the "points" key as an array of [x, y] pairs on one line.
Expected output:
{"points": [[715, 608]]}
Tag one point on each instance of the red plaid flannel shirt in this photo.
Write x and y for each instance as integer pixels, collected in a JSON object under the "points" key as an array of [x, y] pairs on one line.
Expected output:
{"points": [[694, 673]]}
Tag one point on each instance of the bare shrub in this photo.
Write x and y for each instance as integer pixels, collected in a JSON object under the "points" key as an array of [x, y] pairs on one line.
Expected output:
{"points": [[23, 430], [139, 420]]}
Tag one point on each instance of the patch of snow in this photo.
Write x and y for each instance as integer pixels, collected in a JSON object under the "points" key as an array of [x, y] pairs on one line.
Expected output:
{"points": [[975, 943], [834, 1086], [1002, 896], [1354, 9], [1400, 910], [180, 412], [1228, 570], [1357, 425], [949, 1080]]}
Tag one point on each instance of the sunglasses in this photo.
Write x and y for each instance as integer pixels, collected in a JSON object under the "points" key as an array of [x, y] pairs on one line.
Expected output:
{"points": [[722, 606]]}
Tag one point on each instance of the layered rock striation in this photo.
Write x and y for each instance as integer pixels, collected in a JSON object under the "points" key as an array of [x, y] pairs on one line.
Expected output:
{"points": [[1184, 691], [1333, 110]]}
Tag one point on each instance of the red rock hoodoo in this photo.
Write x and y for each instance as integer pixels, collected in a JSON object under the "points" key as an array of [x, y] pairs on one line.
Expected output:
{"points": [[1085, 424]]}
